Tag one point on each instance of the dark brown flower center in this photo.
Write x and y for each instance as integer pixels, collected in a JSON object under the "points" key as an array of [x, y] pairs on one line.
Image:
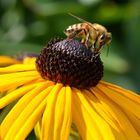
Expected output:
{"points": [[71, 63]]}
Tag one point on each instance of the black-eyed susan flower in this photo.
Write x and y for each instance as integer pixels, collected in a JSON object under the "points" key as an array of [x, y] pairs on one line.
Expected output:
{"points": [[64, 87]]}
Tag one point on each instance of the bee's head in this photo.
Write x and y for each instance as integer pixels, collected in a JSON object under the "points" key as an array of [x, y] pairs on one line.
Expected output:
{"points": [[104, 39]]}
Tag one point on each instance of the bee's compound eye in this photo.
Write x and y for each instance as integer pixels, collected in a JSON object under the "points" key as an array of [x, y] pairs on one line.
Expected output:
{"points": [[103, 36]]}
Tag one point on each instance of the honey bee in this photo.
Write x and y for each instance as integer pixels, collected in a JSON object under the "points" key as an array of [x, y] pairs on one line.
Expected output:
{"points": [[93, 36]]}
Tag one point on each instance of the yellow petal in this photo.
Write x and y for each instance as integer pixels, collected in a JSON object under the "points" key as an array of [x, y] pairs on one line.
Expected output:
{"points": [[17, 67], [135, 121], [18, 75], [121, 100], [48, 116], [5, 60], [19, 107], [37, 130], [13, 80], [29, 116], [88, 122], [58, 113], [29, 60], [99, 108], [124, 92], [124, 125], [66, 124], [13, 84], [15, 94], [62, 115]]}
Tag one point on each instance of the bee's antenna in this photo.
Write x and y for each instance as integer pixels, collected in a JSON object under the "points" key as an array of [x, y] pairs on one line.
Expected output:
{"points": [[108, 48], [80, 19]]}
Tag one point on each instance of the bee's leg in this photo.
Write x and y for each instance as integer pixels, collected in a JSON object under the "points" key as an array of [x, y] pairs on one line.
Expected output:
{"points": [[83, 40], [97, 54], [87, 42], [97, 50], [91, 44]]}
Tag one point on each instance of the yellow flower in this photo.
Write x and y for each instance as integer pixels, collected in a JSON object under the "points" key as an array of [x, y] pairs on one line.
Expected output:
{"points": [[26, 58], [102, 112], [5, 61]]}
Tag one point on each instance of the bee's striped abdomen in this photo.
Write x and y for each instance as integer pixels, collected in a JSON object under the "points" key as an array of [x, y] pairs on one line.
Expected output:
{"points": [[77, 30]]}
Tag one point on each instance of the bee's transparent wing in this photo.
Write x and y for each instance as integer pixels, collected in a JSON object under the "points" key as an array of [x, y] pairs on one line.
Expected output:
{"points": [[82, 20]]}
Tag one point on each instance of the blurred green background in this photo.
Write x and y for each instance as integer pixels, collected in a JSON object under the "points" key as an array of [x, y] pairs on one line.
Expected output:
{"points": [[26, 26]]}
